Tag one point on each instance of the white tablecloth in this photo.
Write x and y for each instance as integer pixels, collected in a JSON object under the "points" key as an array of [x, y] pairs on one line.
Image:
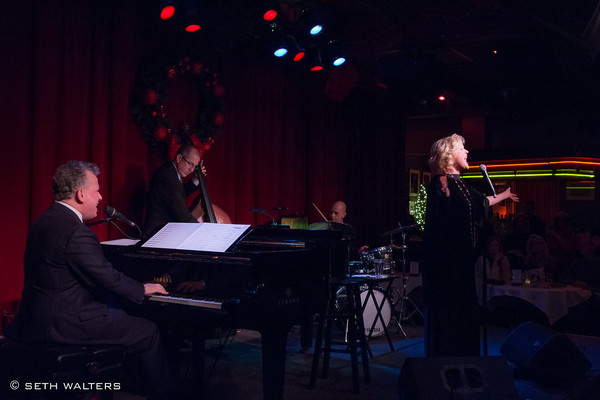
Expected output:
{"points": [[553, 301]]}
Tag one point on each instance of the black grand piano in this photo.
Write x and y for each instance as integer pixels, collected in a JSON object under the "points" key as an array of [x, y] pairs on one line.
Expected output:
{"points": [[268, 282]]}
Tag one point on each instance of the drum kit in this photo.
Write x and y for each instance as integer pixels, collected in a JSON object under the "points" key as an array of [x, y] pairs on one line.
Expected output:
{"points": [[392, 306]]}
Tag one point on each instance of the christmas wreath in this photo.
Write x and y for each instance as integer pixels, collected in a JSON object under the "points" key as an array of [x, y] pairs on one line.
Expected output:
{"points": [[150, 106]]}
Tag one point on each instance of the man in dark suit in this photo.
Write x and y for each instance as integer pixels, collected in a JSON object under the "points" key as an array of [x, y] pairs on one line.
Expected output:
{"points": [[167, 195], [69, 283]]}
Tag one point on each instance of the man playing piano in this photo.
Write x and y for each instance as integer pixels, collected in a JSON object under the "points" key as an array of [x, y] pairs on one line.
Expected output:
{"points": [[69, 283]]}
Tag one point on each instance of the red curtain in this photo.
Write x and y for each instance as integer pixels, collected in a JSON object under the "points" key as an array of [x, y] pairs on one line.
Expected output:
{"points": [[67, 69]]}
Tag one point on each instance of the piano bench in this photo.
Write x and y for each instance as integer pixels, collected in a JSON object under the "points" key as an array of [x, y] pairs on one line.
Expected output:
{"points": [[59, 371], [355, 340]]}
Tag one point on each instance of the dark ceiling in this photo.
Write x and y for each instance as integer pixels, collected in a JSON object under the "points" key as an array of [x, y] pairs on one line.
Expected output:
{"points": [[480, 54]]}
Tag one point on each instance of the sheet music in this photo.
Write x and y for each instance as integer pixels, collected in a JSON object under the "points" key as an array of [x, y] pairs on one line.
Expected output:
{"points": [[121, 242], [203, 236]]}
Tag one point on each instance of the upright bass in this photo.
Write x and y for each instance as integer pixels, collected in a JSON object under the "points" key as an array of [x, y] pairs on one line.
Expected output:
{"points": [[212, 212]]}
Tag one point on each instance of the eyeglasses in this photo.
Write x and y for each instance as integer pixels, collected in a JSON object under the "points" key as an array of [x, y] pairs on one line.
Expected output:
{"points": [[191, 164]]}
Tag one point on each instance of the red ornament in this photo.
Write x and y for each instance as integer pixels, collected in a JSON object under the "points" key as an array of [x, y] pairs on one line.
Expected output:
{"points": [[197, 68], [208, 143], [161, 133], [218, 119], [218, 90], [198, 144], [151, 97]]}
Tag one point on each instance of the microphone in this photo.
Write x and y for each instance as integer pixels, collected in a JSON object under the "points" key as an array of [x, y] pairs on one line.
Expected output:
{"points": [[258, 210], [112, 213], [483, 170], [264, 211]]}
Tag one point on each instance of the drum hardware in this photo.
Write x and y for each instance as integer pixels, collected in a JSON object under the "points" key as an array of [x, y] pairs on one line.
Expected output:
{"points": [[402, 295], [384, 253], [373, 326]]}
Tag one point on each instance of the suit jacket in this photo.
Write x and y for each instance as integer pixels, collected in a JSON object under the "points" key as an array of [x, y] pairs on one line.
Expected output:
{"points": [[68, 282], [167, 199]]}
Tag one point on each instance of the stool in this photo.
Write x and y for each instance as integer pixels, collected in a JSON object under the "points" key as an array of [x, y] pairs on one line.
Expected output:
{"points": [[355, 341], [64, 370]]}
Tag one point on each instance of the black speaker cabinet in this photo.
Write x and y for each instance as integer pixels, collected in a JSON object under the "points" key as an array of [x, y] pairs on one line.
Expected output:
{"points": [[548, 356], [456, 378]]}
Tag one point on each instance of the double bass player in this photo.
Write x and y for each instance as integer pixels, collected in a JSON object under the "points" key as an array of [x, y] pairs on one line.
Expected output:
{"points": [[168, 193]]}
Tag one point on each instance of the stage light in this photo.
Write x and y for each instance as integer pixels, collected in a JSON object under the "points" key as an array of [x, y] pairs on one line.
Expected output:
{"points": [[339, 61], [313, 20], [314, 60], [270, 15], [192, 27], [279, 44], [299, 56], [167, 9], [280, 51], [316, 29], [334, 54], [191, 17], [296, 50]]}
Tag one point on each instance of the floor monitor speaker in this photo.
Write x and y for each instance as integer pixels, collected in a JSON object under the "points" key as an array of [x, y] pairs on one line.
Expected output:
{"points": [[548, 356], [456, 378]]}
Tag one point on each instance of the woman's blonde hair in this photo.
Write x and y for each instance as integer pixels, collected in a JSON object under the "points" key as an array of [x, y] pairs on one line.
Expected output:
{"points": [[440, 155]]}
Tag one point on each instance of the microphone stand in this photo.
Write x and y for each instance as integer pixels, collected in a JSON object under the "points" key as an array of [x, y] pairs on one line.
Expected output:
{"points": [[264, 211], [110, 219], [484, 313], [100, 221]]}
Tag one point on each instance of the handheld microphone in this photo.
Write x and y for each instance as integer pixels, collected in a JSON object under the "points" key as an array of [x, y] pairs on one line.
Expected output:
{"points": [[112, 213], [483, 170]]}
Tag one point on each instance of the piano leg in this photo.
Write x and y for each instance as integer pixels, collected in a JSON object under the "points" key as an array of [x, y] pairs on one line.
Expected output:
{"points": [[274, 344]]}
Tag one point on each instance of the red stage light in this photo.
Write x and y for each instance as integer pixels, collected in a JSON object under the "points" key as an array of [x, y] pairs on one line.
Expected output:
{"points": [[192, 28], [270, 15], [316, 68], [299, 56], [441, 98], [167, 12]]}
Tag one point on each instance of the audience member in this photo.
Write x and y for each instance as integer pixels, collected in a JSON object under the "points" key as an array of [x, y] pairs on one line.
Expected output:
{"points": [[562, 241], [497, 264], [584, 272], [536, 225], [515, 241], [539, 264]]}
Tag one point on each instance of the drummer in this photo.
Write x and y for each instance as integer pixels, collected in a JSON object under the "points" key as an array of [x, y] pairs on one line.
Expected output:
{"points": [[338, 212]]}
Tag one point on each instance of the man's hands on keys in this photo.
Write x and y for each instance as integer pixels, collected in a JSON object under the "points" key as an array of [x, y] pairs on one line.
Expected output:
{"points": [[152, 288]]}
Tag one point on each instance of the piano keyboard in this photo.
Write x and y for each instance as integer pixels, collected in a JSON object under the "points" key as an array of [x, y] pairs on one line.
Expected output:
{"points": [[193, 301]]}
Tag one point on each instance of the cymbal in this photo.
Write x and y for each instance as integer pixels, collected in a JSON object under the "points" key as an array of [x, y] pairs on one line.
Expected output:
{"points": [[400, 229]]}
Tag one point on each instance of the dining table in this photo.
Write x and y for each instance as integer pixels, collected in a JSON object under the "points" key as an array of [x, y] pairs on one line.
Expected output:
{"points": [[553, 298]]}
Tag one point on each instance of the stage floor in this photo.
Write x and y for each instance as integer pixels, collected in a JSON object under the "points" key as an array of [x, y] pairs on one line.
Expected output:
{"points": [[237, 373]]}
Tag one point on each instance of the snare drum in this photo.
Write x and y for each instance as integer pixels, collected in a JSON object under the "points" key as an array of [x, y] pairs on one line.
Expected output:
{"points": [[370, 309]]}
